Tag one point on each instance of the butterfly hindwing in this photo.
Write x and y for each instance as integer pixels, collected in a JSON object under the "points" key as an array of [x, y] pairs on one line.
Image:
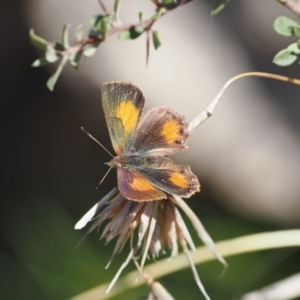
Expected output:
{"points": [[162, 173], [134, 187], [123, 104], [161, 131]]}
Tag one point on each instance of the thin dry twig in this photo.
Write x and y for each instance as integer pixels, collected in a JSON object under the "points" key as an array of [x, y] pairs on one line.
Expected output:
{"points": [[208, 112]]}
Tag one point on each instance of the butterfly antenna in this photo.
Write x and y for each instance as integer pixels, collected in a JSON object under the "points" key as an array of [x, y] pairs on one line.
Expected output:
{"points": [[97, 186], [89, 135]]}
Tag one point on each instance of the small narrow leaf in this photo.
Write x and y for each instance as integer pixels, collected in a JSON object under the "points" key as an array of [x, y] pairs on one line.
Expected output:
{"points": [[78, 32], [141, 18], [40, 62], [53, 79], [59, 46], [285, 26], [297, 30], [105, 26], [75, 59], [168, 3], [294, 48], [37, 41], [159, 13], [95, 19], [284, 58], [156, 39], [220, 5], [50, 54], [65, 36], [90, 50], [117, 6], [100, 26], [131, 34]]}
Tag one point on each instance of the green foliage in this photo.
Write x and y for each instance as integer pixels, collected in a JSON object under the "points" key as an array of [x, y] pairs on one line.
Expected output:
{"points": [[102, 26], [40, 62], [74, 59], [50, 54], [52, 80], [107, 24], [287, 56], [37, 41], [79, 32], [285, 26], [65, 37], [156, 39], [131, 34], [218, 7]]}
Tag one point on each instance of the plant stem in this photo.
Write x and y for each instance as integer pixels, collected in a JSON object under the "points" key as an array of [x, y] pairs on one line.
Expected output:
{"points": [[292, 5], [240, 245]]}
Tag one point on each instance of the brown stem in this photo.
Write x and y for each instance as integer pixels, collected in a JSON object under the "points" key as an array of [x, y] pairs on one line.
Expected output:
{"points": [[103, 7], [117, 27], [292, 5]]}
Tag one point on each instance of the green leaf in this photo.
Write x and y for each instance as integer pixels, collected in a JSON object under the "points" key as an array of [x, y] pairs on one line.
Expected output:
{"points": [[90, 50], [37, 41], [168, 3], [284, 58], [297, 30], [156, 39], [51, 55], [294, 48], [131, 34], [74, 60], [65, 36], [100, 26], [141, 18], [159, 13], [117, 6], [40, 62], [285, 26], [59, 46], [53, 79], [218, 7], [79, 32]]}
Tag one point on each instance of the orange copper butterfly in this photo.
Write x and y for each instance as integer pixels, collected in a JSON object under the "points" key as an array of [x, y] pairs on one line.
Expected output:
{"points": [[142, 144]]}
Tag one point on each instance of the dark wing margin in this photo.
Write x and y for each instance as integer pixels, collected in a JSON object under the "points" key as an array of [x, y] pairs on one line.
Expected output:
{"points": [[135, 187], [123, 105], [161, 131], [176, 180]]}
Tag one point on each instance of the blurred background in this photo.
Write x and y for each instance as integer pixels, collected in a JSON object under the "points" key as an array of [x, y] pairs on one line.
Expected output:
{"points": [[246, 156]]}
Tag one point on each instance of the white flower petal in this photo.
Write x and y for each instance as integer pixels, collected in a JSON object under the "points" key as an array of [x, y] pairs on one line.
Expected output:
{"points": [[202, 233], [149, 236], [194, 270], [184, 229], [92, 212]]}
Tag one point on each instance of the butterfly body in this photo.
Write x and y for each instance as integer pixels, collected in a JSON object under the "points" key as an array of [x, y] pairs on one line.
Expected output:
{"points": [[144, 171]]}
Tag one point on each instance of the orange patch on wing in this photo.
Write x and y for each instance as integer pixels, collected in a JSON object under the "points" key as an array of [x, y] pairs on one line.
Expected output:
{"points": [[141, 185], [179, 180], [128, 114], [170, 131]]}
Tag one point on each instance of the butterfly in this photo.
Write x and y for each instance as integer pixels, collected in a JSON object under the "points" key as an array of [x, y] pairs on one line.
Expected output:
{"points": [[143, 143]]}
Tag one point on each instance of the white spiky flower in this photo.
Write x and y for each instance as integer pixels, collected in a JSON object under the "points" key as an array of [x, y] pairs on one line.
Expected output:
{"points": [[152, 226]]}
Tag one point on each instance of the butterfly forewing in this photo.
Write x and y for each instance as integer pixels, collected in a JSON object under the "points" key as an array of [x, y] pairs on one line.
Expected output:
{"points": [[123, 105]]}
